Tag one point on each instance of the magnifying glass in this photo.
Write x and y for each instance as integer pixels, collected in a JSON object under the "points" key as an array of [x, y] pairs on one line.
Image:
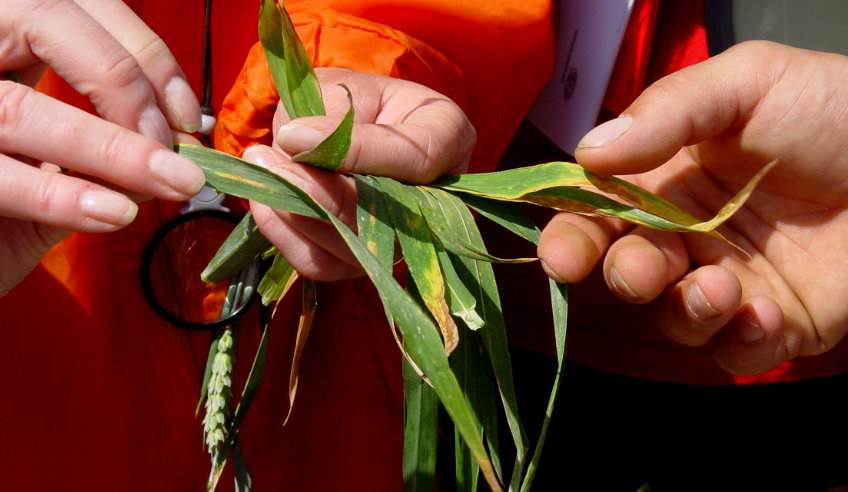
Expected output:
{"points": [[176, 255]]}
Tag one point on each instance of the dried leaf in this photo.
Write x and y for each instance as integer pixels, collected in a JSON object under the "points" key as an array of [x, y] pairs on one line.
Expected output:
{"points": [[304, 327]]}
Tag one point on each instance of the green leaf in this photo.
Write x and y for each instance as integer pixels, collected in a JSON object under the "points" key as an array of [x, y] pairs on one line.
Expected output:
{"points": [[474, 373], [442, 219], [419, 252], [420, 335], [237, 177], [240, 248], [559, 307], [460, 300], [242, 478], [288, 63], [276, 281], [480, 279], [331, 152], [420, 432], [505, 215]]}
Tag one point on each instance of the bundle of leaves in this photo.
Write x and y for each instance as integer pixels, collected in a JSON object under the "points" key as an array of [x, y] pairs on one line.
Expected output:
{"points": [[447, 320]]}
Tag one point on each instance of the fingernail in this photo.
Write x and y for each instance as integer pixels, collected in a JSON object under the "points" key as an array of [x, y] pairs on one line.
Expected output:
{"points": [[182, 105], [620, 286], [697, 304], [294, 138], [750, 331], [261, 156], [178, 173], [256, 154], [606, 133], [107, 206], [152, 124]]}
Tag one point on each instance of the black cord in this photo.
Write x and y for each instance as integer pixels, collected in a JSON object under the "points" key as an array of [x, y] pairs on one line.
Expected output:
{"points": [[206, 96]]}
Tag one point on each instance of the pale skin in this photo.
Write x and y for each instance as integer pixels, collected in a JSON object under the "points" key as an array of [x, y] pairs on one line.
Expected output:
{"points": [[103, 50], [696, 137]]}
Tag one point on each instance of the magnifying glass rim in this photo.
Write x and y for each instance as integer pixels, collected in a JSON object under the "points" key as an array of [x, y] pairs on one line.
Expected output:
{"points": [[146, 269]]}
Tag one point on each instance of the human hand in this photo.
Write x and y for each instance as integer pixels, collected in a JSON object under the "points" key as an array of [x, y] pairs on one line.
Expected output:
{"points": [[107, 54], [696, 137], [402, 130]]}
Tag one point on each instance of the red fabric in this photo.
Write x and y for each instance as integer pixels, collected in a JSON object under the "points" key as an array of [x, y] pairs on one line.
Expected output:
{"points": [[631, 66]]}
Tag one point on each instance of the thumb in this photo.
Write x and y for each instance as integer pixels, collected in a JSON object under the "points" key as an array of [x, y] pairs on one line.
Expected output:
{"points": [[689, 106]]}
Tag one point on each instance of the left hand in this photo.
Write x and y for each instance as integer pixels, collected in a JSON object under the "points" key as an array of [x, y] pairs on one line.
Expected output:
{"points": [[402, 130]]}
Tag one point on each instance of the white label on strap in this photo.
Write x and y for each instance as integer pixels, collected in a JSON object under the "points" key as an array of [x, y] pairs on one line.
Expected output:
{"points": [[588, 38]]}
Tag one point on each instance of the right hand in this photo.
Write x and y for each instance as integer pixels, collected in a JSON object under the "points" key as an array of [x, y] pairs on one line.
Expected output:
{"points": [[401, 130], [697, 136], [106, 53]]}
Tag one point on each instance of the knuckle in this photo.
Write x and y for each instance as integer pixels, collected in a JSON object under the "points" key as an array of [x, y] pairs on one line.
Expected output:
{"points": [[121, 71], [152, 49], [13, 99], [111, 150], [46, 193]]}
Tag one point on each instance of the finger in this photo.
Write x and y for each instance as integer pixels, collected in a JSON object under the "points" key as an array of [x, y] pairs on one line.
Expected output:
{"points": [[639, 266], [698, 306], [38, 126], [301, 236], [336, 193], [754, 340], [54, 199], [307, 257], [82, 52], [34, 240], [571, 245], [153, 56], [429, 137], [683, 108]]}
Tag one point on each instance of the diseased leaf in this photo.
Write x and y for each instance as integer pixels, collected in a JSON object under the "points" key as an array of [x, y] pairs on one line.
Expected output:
{"points": [[554, 184], [373, 221], [420, 335], [460, 300], [480, 279], [241, 178], [441, 220], [559, 308], [309, 305], [416, 241], [277, 280], [288, 62], [240, 248], [331, 152]]}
